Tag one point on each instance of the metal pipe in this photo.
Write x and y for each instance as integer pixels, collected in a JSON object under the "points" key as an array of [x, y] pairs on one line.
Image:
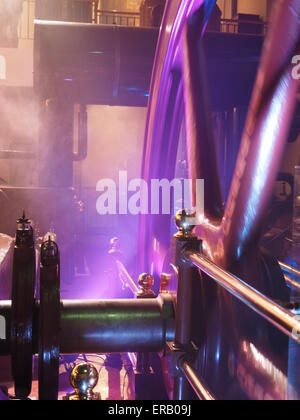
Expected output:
{"points": [[142, 325], [17, 155], [184, 322], [275, 314], [288, 269], [196, 383], [291, 282]]}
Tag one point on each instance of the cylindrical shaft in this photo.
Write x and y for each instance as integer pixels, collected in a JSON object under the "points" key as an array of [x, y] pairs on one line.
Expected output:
{"points": [[112, 326], [183, 331], [142, 325]]}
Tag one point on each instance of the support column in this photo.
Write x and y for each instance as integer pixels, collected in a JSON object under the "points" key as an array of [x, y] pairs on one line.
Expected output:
{"points": [[144, 372], [184, 323]]}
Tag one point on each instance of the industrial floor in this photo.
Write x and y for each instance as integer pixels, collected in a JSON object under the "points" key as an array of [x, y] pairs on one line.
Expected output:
{"points": [[115, 383]]}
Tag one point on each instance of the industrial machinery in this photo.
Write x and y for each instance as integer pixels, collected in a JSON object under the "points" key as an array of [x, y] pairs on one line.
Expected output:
{"points": [[239, 354], [47, 326], [225, 324]]}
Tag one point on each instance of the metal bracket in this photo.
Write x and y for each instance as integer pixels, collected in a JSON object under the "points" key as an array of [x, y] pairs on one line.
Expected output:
{"points": [[180, 354]]}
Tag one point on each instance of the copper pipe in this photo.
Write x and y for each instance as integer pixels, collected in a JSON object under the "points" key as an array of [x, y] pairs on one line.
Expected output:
{"points": [[196, 383], [269, 310]]}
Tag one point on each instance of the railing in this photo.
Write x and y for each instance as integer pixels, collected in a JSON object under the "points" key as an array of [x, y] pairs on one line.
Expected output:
{"points": [[114, 17], [201, 389], [126, 279], [290, 270], [290, 273], [190, 262], [233, 26], [282, 319], [131, 19]]}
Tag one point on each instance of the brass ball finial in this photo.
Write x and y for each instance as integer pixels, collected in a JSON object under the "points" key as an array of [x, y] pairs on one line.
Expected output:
{"points": [[146, 282], [115, 244], [84, 378], [165, 280], [185, 222]]}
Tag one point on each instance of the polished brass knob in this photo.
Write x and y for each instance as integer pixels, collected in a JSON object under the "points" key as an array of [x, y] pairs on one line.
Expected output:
{"points": [[165, 280], [185, 222], [146, 282], [84, 379]]}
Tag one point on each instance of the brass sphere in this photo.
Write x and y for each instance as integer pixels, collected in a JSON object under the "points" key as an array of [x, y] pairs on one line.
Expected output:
{"points": [[185, 222], [146, 282], [165, 280], [84, 378]]}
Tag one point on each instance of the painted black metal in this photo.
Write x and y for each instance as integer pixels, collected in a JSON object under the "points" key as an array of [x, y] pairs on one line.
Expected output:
{"points": [[94, 64], [23, 290]]}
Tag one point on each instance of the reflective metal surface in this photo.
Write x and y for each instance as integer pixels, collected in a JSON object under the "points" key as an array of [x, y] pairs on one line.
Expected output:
{"points": [[230, 235], [290, 270], [284, 320], [198, 386], [145, 282], [136, 325], [84, 378], [115, 326], [126, 278]]}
